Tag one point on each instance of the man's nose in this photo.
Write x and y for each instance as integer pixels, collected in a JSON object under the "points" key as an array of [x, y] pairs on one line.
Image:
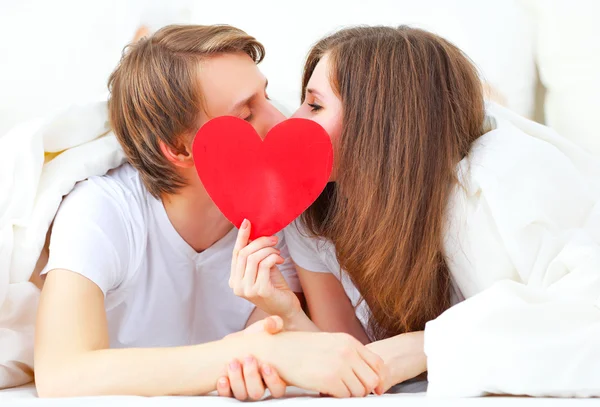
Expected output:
{"points": [[271, 117], [299, 114]]}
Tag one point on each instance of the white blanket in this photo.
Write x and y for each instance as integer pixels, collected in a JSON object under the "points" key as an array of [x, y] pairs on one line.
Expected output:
{"points": [[536, 335], [524, 247], [42, 160]]}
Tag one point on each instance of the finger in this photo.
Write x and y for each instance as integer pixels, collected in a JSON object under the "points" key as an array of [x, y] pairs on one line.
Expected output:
{"points": [[274, 383], [223, 388], [240, 242], [367, 375], [375, 365], [236, 380], [253, 263], [254, 383], [373, 360], [384, 381], [240, 262], [333, 387], [271, 324], [255, 245], [368, 378], [354, 385], [340, 390], [263, 277]]}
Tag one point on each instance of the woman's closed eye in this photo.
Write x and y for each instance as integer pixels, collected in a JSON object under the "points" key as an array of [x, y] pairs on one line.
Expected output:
{"points": [[315, 107]]}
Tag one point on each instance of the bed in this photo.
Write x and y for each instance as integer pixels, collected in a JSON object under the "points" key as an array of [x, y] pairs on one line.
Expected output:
{"points": [[27, 396]]}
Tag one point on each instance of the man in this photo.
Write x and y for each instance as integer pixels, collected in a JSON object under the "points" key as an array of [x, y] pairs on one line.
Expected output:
{"points": [[136, 298]]}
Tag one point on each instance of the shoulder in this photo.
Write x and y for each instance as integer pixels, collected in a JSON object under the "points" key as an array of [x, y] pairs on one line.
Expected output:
{"points": [[310, 252], [119, 194], [105, 214]]}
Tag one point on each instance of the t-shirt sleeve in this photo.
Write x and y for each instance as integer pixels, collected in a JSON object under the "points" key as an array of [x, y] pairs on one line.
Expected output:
{"points": [[89, 237], [304, 249], [288, 270]]}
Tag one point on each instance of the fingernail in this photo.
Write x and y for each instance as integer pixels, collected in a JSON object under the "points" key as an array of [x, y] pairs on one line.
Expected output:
{"points": [[249, 360], [267, 370], [274, 240], [222, 382], [235, 365], [244, 224]]}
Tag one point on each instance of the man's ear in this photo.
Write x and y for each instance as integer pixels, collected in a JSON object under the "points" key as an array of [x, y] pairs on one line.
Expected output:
{"points": [[182, 159]]}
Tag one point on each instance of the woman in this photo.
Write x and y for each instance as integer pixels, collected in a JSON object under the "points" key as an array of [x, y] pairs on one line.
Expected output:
{"points": [[435, 196]]}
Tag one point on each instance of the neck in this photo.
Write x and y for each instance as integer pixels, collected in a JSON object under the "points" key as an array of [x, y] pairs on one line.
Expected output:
{"points": [[195, 217]]}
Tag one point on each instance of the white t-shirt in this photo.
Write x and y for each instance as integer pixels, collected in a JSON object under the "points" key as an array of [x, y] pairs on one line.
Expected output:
{"points": [[158, 290]]}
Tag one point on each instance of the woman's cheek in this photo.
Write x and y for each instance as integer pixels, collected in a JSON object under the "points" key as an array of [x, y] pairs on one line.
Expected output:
{"points": [[334, 128]]}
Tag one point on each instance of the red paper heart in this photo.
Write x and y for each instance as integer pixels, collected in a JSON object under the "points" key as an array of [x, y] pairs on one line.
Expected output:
{"points": [[268, 182]]}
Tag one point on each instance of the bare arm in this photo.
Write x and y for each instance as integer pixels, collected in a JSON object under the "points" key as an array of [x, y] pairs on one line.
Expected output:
{"points": [[72, 356], [332, 311], [258, 314], [329, 307]]}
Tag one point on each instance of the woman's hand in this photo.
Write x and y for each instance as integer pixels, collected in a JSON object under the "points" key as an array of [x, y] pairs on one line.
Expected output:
{"points": [[249, 379], [403, 355], [256, 277]]}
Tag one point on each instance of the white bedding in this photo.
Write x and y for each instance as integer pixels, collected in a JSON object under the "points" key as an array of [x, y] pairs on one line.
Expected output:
{"points": [[27, 396]]}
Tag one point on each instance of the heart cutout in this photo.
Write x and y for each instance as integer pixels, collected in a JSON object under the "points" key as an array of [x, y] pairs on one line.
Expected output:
{"points": [[268, 182]]}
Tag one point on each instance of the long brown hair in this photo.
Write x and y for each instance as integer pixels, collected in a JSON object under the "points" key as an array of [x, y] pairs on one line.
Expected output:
{"points": [[412, 106], [155, 94]]}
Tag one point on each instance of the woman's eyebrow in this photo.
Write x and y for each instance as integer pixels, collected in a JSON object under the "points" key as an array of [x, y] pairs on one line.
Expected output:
{"points": [[314, 92]]}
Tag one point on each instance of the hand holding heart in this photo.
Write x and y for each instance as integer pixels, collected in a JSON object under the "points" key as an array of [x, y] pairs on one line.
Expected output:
{"points": [[256, 277], [270, 182]]}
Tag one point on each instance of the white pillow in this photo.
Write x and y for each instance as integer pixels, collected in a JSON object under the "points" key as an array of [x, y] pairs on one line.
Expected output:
{"points": [[56, 53], [568, 57]]}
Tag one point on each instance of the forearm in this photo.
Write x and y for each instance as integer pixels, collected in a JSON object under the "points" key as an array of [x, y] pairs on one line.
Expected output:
{"points": [[403, 355], [299, 321], [190, 370]]}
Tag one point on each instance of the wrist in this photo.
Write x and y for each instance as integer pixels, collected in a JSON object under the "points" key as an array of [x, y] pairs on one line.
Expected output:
{"points": [[243, 344], [264, 347], [410, 360], [296, 320]]}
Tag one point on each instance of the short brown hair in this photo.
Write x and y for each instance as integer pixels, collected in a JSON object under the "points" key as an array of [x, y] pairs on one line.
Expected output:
{"points": [[155, 94], [412, 107]]}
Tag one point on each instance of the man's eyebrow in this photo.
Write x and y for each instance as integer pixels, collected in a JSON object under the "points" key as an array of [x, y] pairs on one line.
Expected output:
{"points": [[241, 104], [247, 100]]}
